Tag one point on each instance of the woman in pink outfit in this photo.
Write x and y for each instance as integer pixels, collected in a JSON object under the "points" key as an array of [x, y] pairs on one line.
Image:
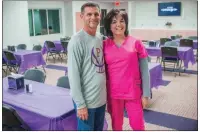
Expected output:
{"points": [[127, 72]]}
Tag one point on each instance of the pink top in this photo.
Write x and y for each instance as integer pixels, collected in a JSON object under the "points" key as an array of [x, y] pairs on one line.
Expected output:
{"points": [[122, 67]]}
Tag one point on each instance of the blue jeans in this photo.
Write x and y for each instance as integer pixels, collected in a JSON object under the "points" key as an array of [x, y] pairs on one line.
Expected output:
{"points": [[95, 120]]}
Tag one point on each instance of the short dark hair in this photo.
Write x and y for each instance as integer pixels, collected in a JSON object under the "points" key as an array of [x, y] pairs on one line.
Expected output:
{"points": [[108, 20], [89, 4]]}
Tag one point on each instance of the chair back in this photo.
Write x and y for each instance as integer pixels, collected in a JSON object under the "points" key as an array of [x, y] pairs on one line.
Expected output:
{"points": [[193, 37], [11, 48], [64, 45], [50, 45], [152, 43], [21, 46], [11, 120], [186, 43], [163, 40], [173, 37], [37, 47], [63, 82], [9, 56], [35, 75], [169, 52], [171, 43]]}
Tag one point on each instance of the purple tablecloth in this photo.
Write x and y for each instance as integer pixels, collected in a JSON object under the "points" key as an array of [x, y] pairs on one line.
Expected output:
{"points": [[47, 108], [155, 71], [57, 44], [195, 43], [29, 59], [185, 53]]}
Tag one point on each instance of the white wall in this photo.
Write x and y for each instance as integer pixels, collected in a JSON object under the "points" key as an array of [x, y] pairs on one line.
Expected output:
{"points": [[68, 18], [15, 23], [76, 7], [147, 16], [49, 5], [123, 5]]}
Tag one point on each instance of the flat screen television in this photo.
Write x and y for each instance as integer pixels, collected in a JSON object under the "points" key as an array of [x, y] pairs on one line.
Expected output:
{"points": [[169, 9]]}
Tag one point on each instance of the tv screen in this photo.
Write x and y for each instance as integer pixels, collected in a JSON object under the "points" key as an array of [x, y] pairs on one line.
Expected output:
{"points": [[169, 9]]}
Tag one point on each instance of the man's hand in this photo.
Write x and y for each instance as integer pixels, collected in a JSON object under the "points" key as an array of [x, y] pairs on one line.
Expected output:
{"points": [[145, 102], [82, 113]]}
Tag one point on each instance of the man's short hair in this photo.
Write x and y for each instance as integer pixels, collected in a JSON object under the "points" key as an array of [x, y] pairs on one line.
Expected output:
{"points": [[89, 4]]}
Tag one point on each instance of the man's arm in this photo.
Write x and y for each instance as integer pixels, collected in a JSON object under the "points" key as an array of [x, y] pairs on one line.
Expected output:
{"points": [[74, 70]]}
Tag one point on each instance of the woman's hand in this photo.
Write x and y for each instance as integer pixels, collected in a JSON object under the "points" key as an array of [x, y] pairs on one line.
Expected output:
{"points": [[145, 102]]}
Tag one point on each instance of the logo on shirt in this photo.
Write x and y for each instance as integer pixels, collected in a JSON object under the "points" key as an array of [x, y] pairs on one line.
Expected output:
{"points": [[98, 59]]}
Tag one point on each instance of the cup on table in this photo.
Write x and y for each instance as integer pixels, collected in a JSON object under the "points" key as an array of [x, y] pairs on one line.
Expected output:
{"points": [[28, 88]]}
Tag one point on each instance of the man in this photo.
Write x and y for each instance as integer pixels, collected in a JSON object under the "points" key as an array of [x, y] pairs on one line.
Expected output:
{"points": [[87, 71]]}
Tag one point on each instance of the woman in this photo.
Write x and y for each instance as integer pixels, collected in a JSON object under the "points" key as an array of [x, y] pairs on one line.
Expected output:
{"points": [[127, 86]]}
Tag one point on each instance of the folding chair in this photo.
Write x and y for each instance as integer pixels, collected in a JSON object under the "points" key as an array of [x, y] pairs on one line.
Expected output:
{"points": [[193, 37], [21, 46], [52, 51], [37, 47], [186, 43], [35, 75], [11, 120], [170, 55], [11, 61], [63, 82], [163, 40]]}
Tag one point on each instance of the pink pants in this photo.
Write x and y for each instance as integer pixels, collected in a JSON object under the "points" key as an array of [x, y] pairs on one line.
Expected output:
{"points": [[134, 110]]}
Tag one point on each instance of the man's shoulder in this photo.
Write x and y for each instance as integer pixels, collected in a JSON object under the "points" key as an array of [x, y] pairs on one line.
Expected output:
{"points": [[76, 39], [77, 36]]}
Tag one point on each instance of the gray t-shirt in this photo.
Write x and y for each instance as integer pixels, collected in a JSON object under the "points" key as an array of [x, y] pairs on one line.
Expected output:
{"points": [[86, 70]]}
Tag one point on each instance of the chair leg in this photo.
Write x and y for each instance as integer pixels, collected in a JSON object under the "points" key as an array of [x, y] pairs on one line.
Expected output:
{"points": [[54, 58], [47, 56], [174, 66], [164, 65], [180, 68], [44, 69], [60, 57], [7, 69]]}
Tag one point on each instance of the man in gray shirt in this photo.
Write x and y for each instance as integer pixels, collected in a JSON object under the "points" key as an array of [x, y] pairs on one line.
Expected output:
{"points": [[86, 71]]}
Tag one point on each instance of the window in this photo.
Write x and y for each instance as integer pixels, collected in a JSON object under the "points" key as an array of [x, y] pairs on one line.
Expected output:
{"points": [[43, 21]]}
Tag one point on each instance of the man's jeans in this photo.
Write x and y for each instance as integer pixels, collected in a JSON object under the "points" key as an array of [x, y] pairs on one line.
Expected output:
{"points": [[95, 120]]}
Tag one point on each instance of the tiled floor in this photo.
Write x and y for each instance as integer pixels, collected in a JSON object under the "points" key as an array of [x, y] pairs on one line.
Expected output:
{"points": [[178, 98]]}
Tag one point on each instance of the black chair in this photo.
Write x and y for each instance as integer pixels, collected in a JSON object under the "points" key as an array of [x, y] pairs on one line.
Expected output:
{"points": [[11, 48], [152, 43], [171, 44], [4, 64], [170, 55], [35, 75], [21, 46], [52, 51], [11, 121], [163, 40], [193, 37], [11, 61], [63, 82], [186, 43], [64, 45], [173, 37], [37, 47]]}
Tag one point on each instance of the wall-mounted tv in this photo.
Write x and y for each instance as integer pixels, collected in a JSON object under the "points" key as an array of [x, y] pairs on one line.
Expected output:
{"points": [[169, 9]]}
